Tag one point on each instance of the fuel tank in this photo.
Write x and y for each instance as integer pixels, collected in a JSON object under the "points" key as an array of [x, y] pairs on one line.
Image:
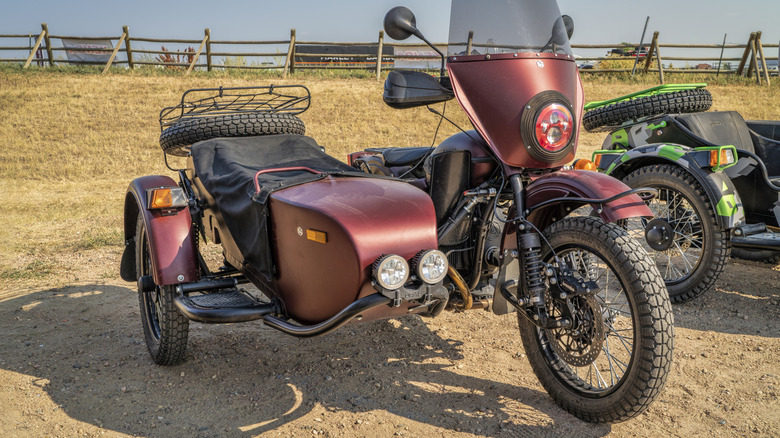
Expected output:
{"points": [[328, 233], [482, 164]]}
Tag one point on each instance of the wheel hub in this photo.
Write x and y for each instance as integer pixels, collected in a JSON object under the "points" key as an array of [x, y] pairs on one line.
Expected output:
{"points": [[580, 344], [659, 234]]}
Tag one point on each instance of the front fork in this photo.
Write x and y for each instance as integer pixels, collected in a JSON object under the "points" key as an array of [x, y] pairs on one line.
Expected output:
{"points": [[538, 278]]}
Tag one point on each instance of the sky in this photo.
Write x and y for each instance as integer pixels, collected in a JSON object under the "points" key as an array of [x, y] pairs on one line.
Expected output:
{"points": [[596, 21]]}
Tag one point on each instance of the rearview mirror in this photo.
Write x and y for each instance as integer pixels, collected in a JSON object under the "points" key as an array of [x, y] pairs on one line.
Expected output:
{"points": [[400, 23], [568, 22]]}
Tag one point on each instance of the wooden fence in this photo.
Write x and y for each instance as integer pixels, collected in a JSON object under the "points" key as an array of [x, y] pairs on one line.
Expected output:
{"points": [[43, 53]]}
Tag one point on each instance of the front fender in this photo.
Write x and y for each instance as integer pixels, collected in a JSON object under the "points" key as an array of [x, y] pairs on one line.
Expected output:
{"points": [[717, 185], [580, 184], [172, 247]]}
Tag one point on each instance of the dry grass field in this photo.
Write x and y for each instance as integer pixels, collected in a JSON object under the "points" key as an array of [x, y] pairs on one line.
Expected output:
{"points": [[72, 359]]}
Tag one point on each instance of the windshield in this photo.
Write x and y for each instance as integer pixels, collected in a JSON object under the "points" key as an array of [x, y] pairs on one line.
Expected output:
{"points": [[506, 26]]}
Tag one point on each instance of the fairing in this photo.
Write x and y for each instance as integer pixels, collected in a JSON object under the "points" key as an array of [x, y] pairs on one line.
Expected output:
{"points": [[489, 89]]}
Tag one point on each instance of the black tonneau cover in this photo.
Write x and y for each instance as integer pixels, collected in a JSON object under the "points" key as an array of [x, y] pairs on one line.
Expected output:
{"points": [[227, 169]]}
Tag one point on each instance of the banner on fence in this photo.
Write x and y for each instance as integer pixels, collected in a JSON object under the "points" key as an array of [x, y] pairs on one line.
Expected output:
{"points": [[101, 56], [417, 63], [321, 56]]}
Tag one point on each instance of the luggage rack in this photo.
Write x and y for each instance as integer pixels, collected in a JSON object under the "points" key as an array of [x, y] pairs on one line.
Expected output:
{"points": [[203, 102]]}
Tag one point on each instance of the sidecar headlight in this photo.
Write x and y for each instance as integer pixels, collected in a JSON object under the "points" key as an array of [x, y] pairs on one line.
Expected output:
{"points": [[431, 266], [391, 271]]}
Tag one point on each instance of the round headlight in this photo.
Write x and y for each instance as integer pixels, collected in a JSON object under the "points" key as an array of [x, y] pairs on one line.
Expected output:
{"points": [[554, 127], [391, 271], [431, 266], [548, 128]]}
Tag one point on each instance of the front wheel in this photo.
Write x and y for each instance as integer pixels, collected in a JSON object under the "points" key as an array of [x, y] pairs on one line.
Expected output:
{"points": [[696, 249], [165, 328], [614, 359]]}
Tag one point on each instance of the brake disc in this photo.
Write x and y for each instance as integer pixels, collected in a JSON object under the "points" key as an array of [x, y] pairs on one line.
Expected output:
{"points": [[580, 344]]}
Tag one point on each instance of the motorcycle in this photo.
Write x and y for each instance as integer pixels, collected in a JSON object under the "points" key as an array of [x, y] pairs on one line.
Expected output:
{"points": [[717, 175], [328, 243]]}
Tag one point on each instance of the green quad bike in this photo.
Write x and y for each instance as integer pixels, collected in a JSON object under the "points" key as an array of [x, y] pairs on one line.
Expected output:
{"points": [[717, 176]]}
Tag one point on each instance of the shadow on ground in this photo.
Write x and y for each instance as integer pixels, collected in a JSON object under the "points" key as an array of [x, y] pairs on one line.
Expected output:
{"points": [[83, 347]]}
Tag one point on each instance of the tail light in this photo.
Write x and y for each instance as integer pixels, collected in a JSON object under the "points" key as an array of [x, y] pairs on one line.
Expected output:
{"points": [[548, 127]]}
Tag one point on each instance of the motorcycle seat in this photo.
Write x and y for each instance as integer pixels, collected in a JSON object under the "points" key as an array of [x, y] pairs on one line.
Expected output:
{"points": [[719, 128], [404, 156]]}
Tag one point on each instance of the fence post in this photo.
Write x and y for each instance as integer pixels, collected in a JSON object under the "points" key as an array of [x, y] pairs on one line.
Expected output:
{"points": [[128, 49], [208, 49], [49, 52], [470, 43], [744, 59], [722, 48], [34, 49], [641, 42], [113, 54], [379, 54], [660, 64], [754, 61], [760, 49], [197, 55], [289, 63], [650, 52]]}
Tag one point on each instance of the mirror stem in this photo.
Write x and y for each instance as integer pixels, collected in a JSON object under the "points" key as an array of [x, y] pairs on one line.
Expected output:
{"points": [[443, 58]]}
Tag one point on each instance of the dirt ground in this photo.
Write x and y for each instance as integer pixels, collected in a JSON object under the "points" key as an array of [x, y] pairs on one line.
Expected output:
{"points": [[73, 363]]}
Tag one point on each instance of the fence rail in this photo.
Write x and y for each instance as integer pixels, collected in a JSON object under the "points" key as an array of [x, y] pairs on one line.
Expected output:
{"points": [[292, 54]]}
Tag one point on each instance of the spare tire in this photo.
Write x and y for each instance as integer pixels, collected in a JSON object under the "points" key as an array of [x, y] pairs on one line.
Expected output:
{"points": [[176, 139], [685, 101]]}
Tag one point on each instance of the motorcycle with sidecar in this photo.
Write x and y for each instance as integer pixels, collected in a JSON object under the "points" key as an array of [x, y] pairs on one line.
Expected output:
{"points": [[485, 226], [718, 178]]}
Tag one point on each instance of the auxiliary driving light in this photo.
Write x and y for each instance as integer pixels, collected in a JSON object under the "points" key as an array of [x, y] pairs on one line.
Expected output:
{"points": [[391, 271], [431, 266]]}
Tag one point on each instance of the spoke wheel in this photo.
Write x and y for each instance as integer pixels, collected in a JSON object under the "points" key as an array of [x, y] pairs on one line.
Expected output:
{"points": [[614, 359], [693, 257], [165, 328]]}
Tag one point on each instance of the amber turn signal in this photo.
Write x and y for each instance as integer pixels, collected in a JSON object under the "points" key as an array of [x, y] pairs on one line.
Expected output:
{"points": [[584, 164], [721, 157], [167, 198]]}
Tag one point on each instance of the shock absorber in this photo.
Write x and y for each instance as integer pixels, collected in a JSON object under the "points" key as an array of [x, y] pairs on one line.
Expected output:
{"points": [[530, 251], [533, 268]]}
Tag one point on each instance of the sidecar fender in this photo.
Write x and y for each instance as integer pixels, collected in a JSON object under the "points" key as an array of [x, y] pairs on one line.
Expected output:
{"points": [[172, 247], [716, 183], [580, 184]]}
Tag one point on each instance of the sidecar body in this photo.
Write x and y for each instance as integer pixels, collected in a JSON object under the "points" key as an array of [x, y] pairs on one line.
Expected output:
{"points": [[303, 227]]}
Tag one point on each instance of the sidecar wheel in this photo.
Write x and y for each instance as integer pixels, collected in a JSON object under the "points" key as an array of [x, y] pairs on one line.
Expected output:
{"points": [[177, 138], [685, 101], [165, 328], [699, 248], [613, 362]]}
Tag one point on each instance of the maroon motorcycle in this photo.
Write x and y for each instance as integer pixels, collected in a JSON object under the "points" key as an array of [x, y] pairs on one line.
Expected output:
{"points": [[482, 221]]}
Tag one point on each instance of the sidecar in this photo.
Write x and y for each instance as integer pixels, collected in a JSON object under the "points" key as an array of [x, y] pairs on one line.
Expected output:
{"points": [[325, 244], [719, 182]]}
